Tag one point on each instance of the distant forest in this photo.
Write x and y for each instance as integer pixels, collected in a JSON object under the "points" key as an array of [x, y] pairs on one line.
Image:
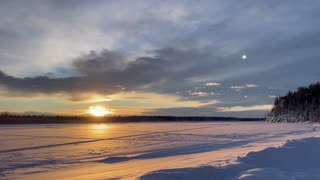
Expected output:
{"points": [[6, 118], [301, 105]]}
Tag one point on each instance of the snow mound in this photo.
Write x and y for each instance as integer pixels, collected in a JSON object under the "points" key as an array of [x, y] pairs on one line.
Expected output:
{"points": [[294, 155], [296, 159], [203, 172]]}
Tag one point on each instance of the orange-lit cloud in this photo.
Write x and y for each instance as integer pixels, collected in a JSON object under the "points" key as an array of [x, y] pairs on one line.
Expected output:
{"points": [[245, 108]]}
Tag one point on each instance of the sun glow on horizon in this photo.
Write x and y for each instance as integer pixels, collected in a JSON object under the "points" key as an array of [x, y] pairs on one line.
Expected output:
{"points": [[98, 111]]}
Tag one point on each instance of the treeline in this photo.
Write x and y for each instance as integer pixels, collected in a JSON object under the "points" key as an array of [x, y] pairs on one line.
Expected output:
{"points": [[301, 105], [39, 119]]}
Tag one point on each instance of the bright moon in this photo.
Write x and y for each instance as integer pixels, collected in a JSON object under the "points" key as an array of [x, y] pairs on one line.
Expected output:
{"points": [[98, 111], [244, 56]]}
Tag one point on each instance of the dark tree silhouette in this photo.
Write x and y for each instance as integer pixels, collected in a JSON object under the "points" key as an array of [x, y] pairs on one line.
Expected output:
{"points": [[301, 105], [6, 118]]}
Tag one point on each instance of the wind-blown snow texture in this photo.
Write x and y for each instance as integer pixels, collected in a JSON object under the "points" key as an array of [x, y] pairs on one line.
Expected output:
{"points": [[146, 150], [297, 159]]}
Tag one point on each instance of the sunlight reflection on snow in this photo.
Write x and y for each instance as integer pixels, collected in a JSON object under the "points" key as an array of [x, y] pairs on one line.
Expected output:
{"points": [[99, 128]]}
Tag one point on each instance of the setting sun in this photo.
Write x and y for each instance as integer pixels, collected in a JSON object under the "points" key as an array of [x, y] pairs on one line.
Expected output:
{"points": [[98, 111]]}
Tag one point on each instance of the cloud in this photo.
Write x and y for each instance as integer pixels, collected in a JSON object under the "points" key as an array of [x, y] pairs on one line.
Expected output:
{"points": [[212, 84], [176, 47], [97, 63], [200, 93], [109, 72], [146, 103], [251, 85], [46, 85], [272, 96], [245, 86], [204, 111], [139, 27], [265, 107], [237, 87]]}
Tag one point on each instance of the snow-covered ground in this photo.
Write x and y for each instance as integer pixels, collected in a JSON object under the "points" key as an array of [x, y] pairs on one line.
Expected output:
{"points": [[215, 150], [296, 159]]}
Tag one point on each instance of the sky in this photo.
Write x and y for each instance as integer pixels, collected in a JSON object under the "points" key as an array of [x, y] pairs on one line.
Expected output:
{"points": [[155, 57]]}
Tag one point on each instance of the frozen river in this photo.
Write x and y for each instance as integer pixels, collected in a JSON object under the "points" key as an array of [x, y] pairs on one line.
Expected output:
{"points": [[131, 150]]}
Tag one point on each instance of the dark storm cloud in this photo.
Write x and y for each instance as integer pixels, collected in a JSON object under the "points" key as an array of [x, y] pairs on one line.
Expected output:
{"points": [[98, 63], [104, 71], [166, 70], [34, 85]]}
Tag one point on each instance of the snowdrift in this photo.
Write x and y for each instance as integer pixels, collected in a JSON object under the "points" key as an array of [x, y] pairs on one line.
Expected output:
{"points": [[296, 159]]}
